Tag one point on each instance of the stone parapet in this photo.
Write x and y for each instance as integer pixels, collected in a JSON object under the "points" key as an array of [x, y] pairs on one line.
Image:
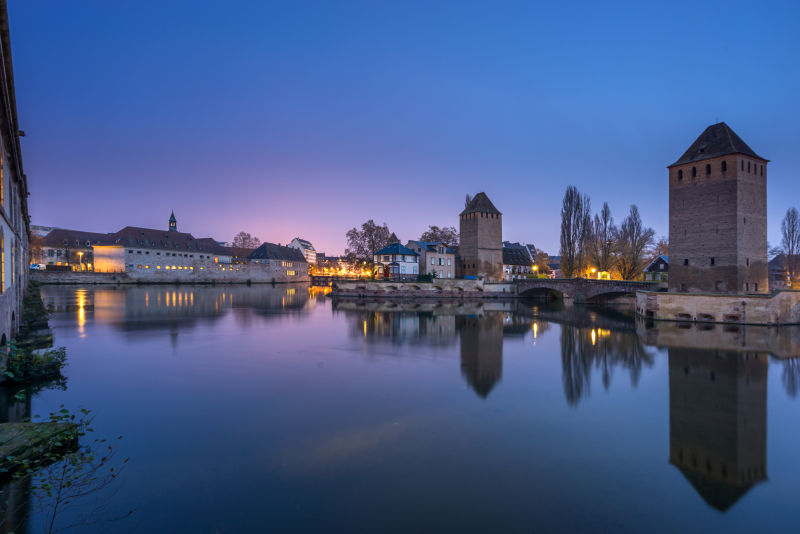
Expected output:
{"points": [[439, 288], [250, 273], [780, 308]]}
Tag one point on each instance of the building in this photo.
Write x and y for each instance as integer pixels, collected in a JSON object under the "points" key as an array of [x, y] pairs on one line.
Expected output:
{"points": [[480, 252], [779, 275], [657, 270], [554, 265], [14, 219], [718, 216], [435, 257], [134, 250], [517, 263], [530, 249], [285, 264], [396, 261], [306, 248], [68, 249]]}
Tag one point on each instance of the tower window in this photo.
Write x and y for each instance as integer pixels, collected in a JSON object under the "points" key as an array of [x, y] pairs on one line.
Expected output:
{"points": [[694, 172], [708, 169], [680, 175], [762, 170], [686, 261], [747, 261], [724, 166], [742, 164], [748, 166], [712, 261]]}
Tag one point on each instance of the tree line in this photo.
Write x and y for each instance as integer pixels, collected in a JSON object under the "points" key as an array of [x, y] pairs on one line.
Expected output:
{"points": [[363, 242], [596, 242]]}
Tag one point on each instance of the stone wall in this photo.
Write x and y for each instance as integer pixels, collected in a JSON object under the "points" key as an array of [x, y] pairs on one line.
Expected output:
{"points": [[480, 251], [720, 215], [439, 288], [782, 307]]}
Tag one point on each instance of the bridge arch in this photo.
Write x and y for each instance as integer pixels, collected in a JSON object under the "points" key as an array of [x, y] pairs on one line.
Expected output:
{"points": [[548, 293]]}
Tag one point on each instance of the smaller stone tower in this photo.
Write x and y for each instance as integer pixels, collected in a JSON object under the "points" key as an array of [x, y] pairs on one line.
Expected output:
{"points": [[480, 250], [173, 223]]}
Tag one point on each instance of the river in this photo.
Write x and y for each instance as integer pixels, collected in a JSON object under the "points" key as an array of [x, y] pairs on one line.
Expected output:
{"points": [[280, 409]]}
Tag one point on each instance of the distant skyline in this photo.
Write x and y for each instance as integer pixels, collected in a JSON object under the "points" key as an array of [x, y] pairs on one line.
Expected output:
{"points": [[306, 119]]}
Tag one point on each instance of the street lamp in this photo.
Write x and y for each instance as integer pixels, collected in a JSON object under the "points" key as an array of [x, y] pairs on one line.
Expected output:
{"points": [[80, 261]]}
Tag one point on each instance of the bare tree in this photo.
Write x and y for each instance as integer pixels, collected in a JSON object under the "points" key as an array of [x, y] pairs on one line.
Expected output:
{"points": [[790, 241], [601, 240], [575, 223], [661, 247], [245, 240], [467, 201], [447, 235], [633, 239], [362, 244]]}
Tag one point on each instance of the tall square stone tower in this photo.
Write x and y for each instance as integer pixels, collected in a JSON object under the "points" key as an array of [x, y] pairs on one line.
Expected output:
{"points": [[480, 249], [718, 216]]}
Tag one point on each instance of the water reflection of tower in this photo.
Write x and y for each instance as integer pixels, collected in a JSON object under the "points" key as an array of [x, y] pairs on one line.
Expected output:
{"points": [[718, 421], [481, 351]]}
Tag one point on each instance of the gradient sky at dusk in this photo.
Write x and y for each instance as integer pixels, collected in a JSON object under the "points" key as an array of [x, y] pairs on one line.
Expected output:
{"points": [[307, 118]]}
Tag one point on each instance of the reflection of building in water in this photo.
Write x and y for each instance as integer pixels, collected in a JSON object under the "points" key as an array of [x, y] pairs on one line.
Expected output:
{"points": [[585, 349], [481, 350], [718, 421], [173, 307], [401, 327]]}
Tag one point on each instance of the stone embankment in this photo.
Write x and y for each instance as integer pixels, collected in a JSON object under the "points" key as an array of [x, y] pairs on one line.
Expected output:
{"points": [[780, 308], [438, 288]]}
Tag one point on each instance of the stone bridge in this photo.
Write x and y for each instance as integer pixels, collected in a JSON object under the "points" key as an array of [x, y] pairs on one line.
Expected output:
{"points": [[582, 289]]}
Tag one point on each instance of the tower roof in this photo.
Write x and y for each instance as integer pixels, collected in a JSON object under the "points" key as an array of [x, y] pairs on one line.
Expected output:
{"points": [[172, 217], [716, 140], [480, 203]]}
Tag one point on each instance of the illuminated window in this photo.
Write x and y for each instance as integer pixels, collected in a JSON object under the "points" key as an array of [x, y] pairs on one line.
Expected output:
{"points": [[138, 266], [290, 273], [216, 259], [146, 266], [158, 266]]}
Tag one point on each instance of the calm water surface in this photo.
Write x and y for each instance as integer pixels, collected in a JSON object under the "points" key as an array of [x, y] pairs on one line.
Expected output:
{"points": [[278, 409]]}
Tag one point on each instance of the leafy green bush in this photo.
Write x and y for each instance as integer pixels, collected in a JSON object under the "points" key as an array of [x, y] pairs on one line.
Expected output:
{"points": [[25, 366]]}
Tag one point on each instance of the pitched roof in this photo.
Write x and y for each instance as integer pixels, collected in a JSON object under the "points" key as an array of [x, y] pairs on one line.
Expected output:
{"points": [[397, 248], [61, 237], [717, 140], [655, 260], [515, 256], [238, 252], [303, 243], [393, 239], [431, 246], [480, 203], [271, 251], [132, 236]]}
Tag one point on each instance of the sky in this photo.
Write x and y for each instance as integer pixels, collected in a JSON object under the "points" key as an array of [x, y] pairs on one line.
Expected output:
{"points": [[305, 119]]}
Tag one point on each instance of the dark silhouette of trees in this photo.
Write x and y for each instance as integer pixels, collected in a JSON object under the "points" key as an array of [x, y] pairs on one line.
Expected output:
{"points": [[790, 243], [363, 243], [575, 230], [245, 240], [633, 239], [601, 240], [447, 235]]}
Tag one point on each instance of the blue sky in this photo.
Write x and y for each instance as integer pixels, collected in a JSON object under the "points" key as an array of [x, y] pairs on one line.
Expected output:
{"points": [[308, 118]]}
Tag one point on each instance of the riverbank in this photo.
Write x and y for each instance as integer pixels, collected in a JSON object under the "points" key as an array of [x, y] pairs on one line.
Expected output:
{"points": [[159, 278]]}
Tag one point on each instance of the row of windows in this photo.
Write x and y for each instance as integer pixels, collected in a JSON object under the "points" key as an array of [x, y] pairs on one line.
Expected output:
{"points": [[180, 267], [441, 261], [724, 167], [201, 256], [482, 214], [711, 261], [398, 257]]}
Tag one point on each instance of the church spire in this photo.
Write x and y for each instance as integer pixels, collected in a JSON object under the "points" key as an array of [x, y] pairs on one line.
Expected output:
{"points": [[173, 223]]}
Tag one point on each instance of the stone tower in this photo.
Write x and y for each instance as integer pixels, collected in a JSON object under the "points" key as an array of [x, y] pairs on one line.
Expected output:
{"points": [[480, 249], [173, 223], [718, 216]]}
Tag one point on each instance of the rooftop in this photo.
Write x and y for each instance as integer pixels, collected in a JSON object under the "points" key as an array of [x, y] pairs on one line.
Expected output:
{"points": [[397, 248], [271, 251], [480, 203], [716, 140]]}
